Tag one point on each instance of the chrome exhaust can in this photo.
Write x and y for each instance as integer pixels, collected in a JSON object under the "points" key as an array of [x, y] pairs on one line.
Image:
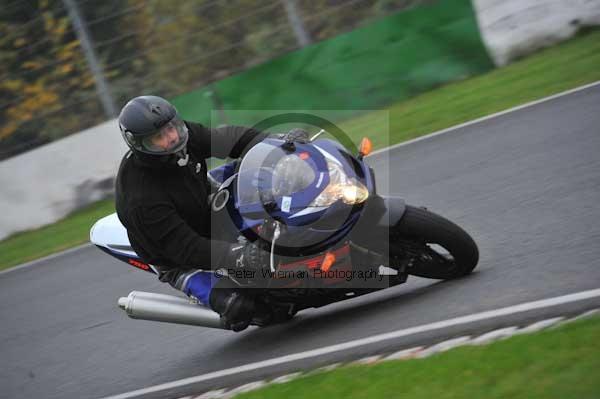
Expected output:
{"points": [[168, 309]]}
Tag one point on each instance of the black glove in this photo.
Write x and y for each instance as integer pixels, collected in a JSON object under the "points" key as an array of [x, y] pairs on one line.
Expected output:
{"points": [[247, 255], [298, 135], [253, 257]]}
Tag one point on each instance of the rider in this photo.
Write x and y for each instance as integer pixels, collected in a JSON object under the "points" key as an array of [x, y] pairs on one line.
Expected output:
{"points": [[162, 195]]}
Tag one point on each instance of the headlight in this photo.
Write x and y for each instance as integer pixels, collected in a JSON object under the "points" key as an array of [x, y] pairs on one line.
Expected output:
{"points": [[340, 186]]}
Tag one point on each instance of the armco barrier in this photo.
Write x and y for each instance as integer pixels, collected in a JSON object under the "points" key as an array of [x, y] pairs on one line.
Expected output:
{"points": [[514, 28], [43, 185]]}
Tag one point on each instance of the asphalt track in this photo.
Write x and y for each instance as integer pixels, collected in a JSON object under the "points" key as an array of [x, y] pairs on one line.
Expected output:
{"points": [[526, 185]]}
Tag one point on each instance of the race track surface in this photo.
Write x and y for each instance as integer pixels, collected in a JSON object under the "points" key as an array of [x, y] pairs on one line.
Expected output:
{"points": [[526, 185]]}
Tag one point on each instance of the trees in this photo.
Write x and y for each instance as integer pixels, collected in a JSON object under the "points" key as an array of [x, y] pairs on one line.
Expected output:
{"points": [[43, 74]]}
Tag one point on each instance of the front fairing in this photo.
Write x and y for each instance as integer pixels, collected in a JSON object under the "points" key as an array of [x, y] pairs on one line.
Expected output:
{"points": [[258, 196]]}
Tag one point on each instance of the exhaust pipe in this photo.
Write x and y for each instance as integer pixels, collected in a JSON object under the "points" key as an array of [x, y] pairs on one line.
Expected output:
{"points": [[168, 309]]}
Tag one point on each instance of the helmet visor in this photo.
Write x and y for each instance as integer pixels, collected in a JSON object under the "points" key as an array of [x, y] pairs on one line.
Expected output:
{"points": [[169, 139]]}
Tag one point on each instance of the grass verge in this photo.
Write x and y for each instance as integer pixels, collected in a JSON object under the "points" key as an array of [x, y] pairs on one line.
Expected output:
{"points": [[550, 71], [558, 363]]}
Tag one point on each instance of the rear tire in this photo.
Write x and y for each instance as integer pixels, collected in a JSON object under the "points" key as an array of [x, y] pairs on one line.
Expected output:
{"points": [[419, 230]]}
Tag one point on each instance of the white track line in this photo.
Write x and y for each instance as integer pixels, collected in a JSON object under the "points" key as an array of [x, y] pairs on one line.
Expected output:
{"points": [[488, 117], [545, 303]]}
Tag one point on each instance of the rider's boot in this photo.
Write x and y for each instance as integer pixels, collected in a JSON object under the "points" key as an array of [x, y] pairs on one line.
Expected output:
{"points": [[263, 314], [235, 307], [266, 315]]}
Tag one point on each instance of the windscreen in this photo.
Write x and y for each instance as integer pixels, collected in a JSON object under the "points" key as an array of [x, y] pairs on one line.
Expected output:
{"points": [[268, 172]]}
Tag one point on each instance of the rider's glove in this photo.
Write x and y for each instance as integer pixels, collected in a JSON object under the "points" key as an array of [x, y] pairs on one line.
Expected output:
{"points": [[297, 135], [247, 255]]}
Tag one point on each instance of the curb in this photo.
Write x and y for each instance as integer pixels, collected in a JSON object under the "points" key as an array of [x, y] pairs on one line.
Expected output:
{"points": [[418, 352]]}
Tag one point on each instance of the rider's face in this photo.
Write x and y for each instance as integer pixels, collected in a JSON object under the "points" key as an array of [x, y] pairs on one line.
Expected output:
{"points": [[166, 138]]}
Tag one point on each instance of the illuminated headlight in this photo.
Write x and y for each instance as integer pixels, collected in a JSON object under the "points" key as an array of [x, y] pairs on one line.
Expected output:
{"points": [[340, 186]]}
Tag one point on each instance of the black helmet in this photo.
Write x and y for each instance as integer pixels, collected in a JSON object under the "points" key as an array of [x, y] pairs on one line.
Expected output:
{"points": [[151, 125]]}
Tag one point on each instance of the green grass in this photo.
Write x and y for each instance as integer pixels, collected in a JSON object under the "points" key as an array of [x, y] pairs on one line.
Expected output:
{"points": [[553, 70], [67, 233], [559, 363]]}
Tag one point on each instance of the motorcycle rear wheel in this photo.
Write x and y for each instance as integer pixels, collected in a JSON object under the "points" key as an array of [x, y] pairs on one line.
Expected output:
{"points": [[418, 236]]}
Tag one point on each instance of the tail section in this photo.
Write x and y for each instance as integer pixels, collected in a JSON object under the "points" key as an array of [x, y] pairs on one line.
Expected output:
{"points": [[109, 235]]}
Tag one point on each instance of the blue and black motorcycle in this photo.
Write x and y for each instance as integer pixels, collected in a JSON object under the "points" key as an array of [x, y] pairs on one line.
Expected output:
{"points": [[325, 233]]}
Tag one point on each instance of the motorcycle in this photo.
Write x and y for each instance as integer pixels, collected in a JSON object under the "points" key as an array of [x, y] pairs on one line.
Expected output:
{"points": [[327, 235]]}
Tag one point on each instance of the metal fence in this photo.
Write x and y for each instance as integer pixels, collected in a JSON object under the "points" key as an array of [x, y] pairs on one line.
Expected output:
{"points": [[68, 65]]}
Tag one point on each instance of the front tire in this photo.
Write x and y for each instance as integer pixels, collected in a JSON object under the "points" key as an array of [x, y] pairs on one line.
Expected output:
{"points": [[417, 237]]}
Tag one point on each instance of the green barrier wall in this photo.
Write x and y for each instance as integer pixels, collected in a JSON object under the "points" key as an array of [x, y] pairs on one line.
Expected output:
{"points": [[383, 62]]}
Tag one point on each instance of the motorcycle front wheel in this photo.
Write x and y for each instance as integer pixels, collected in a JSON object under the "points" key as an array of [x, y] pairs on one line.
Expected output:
{"points": [[432, 246]]}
